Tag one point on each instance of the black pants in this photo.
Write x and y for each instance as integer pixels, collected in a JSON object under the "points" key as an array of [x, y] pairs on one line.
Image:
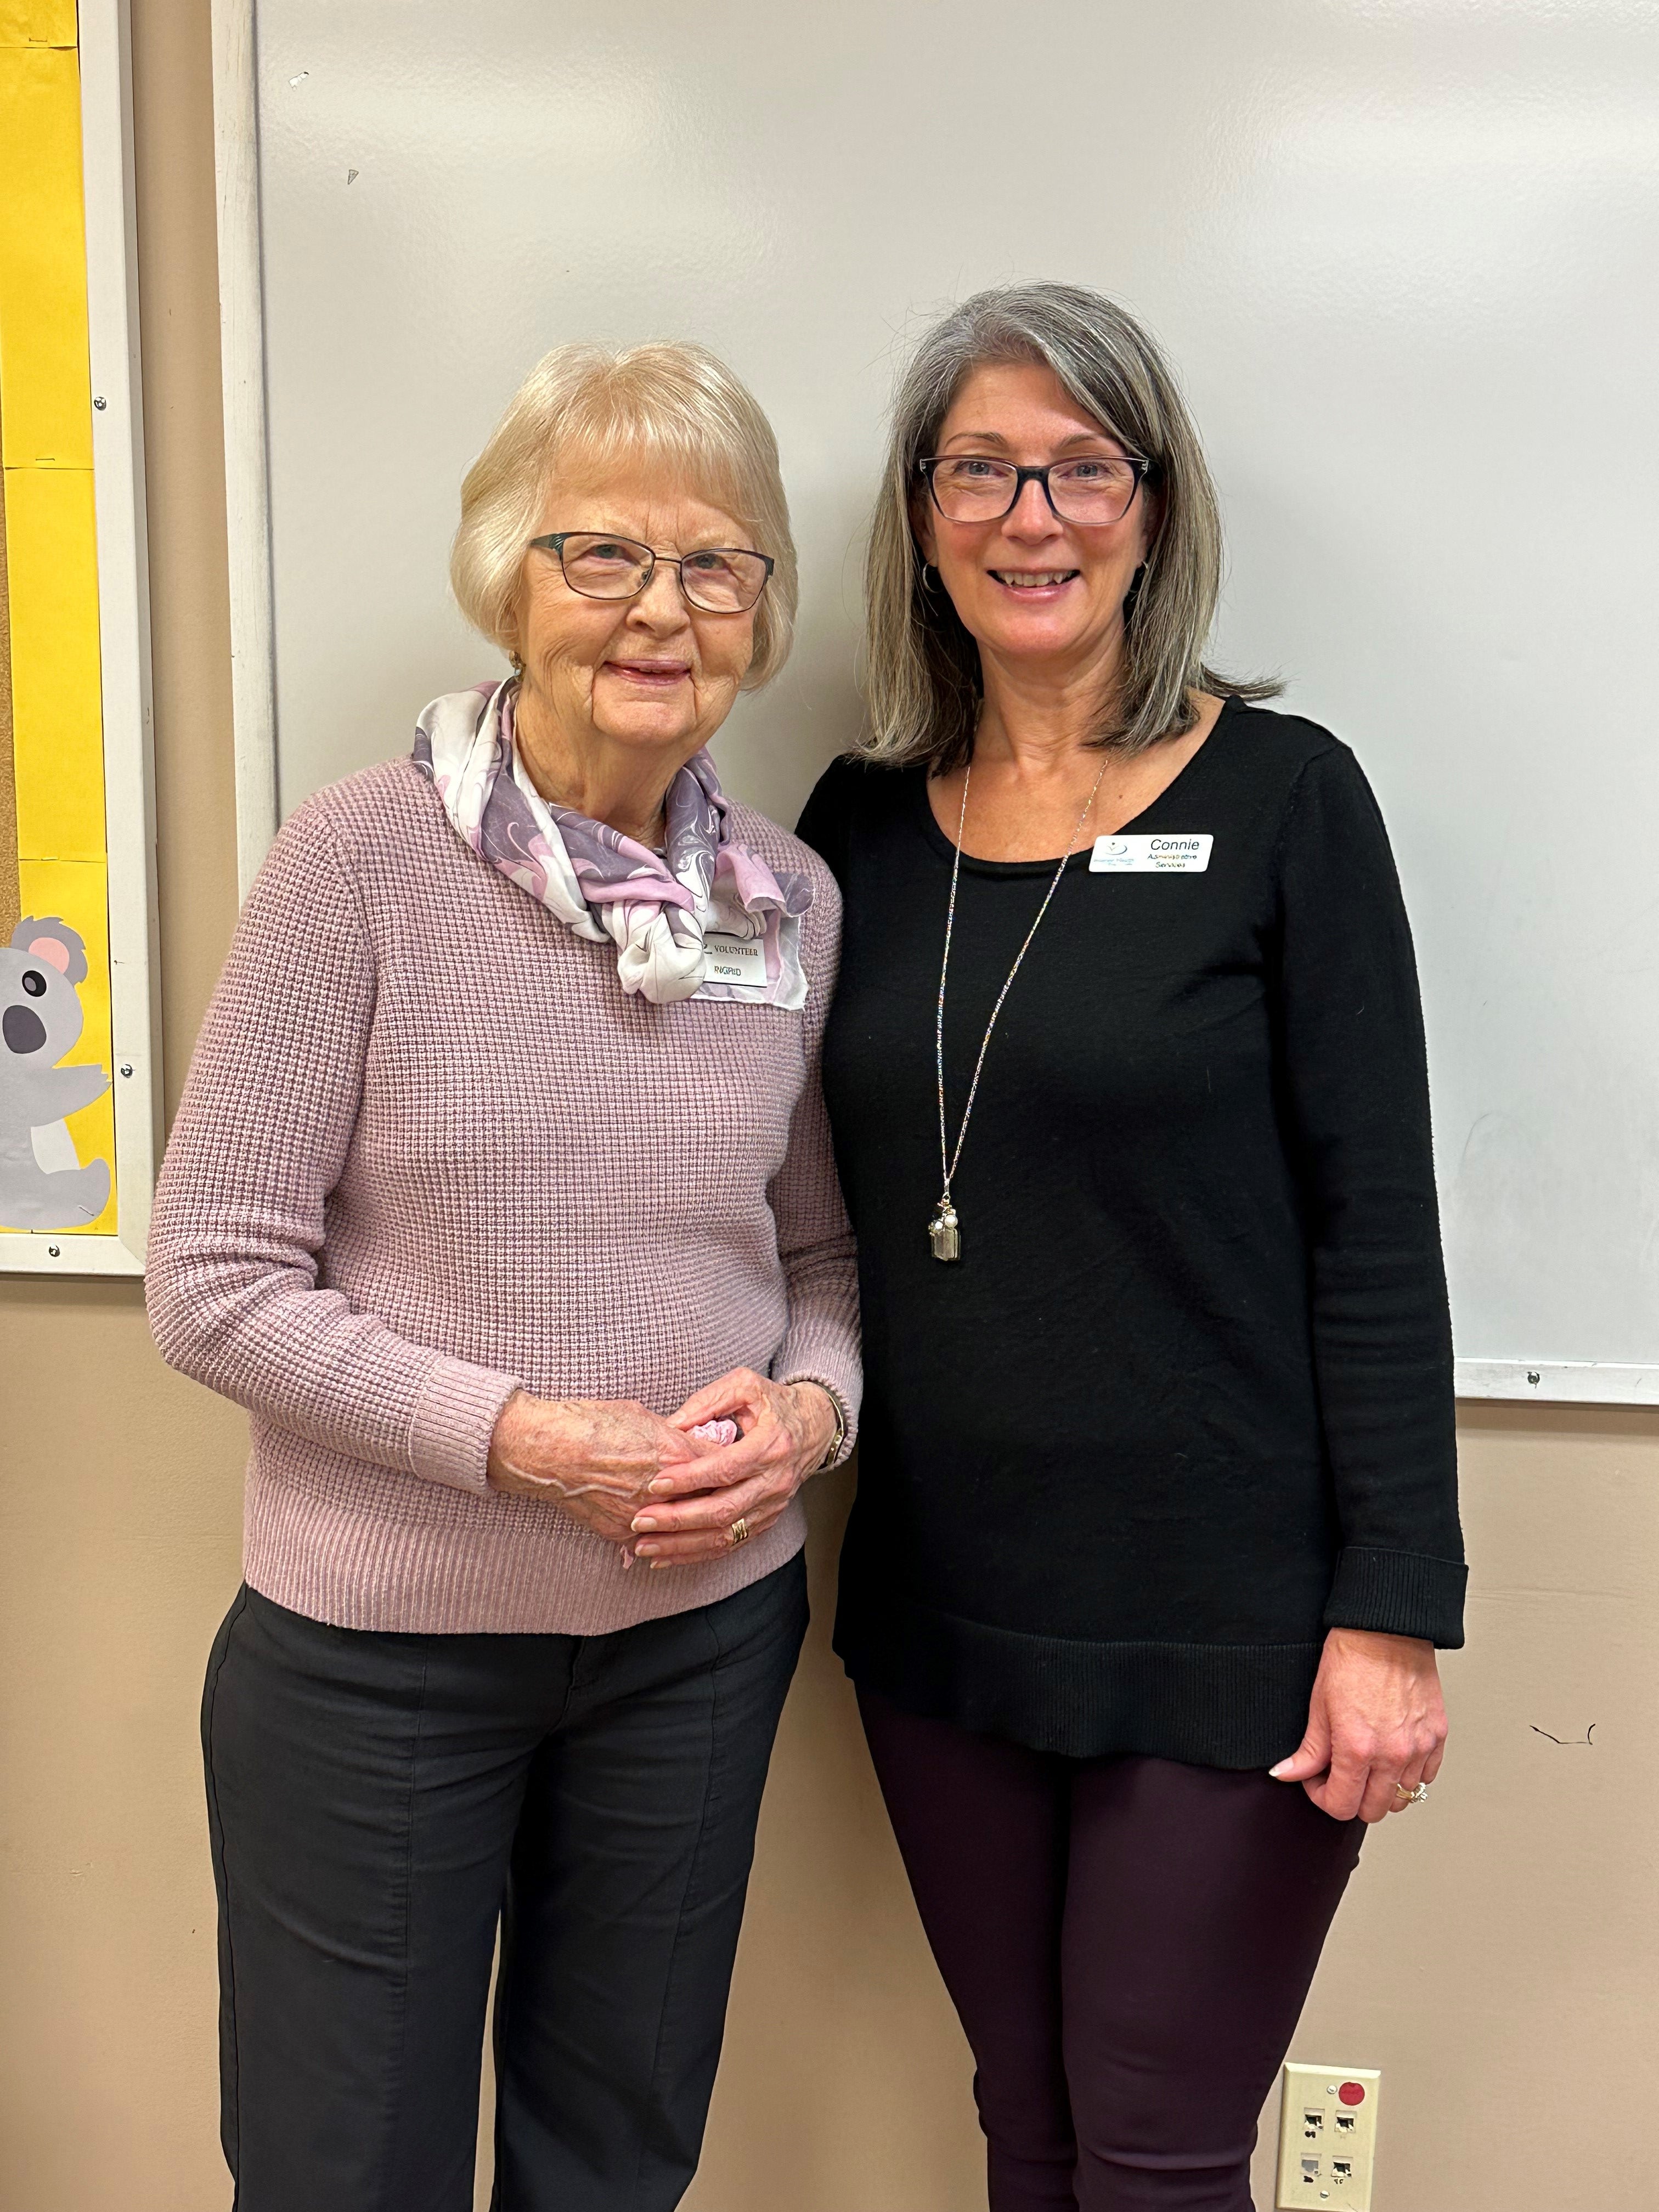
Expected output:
{"points": [[1128, 1943], [377, 1801]]}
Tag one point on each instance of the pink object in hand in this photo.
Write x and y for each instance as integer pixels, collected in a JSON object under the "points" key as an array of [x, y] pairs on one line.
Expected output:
{"points": [[713, 1433]]}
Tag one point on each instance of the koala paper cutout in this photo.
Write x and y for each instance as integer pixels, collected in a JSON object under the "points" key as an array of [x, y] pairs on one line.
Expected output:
{"points": [[40, 1020]]}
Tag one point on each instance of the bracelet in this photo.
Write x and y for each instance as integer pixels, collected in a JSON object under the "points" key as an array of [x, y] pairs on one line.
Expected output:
{"points": [[838, 1442]]}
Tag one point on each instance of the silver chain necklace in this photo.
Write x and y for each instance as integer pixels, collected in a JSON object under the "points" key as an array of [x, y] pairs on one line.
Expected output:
{"points": [[945, 1230]]}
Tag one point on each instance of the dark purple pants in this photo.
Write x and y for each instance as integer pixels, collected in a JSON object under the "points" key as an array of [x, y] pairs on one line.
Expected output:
{"points": [[1128, 1943]]}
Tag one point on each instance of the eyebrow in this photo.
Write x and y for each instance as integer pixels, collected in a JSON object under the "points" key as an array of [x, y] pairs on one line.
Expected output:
{"points": [[1077, 438], [708, 542]]}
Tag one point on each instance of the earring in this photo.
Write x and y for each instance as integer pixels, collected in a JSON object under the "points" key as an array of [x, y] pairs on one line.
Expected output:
{"points": [[930, 578], [1131, 597]]}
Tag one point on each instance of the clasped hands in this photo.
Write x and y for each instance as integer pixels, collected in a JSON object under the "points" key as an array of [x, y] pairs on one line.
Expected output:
{"points": [[647, 1483]]}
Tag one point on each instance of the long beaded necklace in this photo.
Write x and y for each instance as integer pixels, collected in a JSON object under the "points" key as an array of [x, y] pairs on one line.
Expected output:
{"points": [[945, 1230]]}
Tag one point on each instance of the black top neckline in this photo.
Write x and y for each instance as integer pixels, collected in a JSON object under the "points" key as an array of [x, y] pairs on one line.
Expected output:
{"points": [[946, 846]]}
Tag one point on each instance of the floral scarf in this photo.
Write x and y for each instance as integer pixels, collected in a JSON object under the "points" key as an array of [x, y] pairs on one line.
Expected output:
{"points": [[661, 910]]}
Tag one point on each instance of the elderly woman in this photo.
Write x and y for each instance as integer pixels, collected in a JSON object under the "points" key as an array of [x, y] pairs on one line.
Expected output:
{"points": [[501, 1189], [1156, 1527]]}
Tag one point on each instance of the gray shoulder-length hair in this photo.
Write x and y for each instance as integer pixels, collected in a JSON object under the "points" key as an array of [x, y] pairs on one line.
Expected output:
{"points": [[922, 670]]}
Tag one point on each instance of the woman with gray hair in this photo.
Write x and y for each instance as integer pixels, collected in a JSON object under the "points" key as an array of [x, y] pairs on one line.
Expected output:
{"points": [[1156, 1527], [502, 1195]]}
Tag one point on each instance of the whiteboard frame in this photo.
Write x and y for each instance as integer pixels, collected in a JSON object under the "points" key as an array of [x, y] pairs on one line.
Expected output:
{"points": [[1559, 1381], [247, 492], [247, 462], [104, 60]]}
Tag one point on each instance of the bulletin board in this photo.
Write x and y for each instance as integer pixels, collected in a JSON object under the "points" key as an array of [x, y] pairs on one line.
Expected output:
{"points": [[78, 1067]]}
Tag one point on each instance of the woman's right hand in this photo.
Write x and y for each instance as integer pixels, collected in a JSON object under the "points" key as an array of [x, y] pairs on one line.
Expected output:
{"points": [[594, 1456]]}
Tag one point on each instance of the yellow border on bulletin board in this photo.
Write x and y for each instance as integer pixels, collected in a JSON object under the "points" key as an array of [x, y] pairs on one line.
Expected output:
{"points": [[50, 543]]}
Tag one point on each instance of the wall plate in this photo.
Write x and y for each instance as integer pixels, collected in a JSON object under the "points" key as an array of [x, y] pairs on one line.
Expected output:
{"points": [[1327, 2137]]}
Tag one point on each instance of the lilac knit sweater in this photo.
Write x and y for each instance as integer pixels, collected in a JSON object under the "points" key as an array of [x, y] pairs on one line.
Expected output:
{"points": [[429, 1151]]}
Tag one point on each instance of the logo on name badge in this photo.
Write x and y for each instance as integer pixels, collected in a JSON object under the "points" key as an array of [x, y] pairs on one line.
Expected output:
{"points": [[734, 959], [1184, 855]]}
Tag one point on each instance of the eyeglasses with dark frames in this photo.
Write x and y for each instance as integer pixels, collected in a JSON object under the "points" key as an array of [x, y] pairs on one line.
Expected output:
{"points": [[722, 579], [1095, 487]]}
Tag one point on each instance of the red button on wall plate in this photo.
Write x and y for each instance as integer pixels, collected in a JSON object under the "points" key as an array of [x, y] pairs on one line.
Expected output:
{"points": [[1352, 2093]]}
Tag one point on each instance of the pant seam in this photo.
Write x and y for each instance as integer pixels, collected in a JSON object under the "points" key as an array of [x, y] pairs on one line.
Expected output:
{"points": [[696, 1858], [500, 2029], [579, 1644], [394, 2104], [217, 1837], [503, 2011]]}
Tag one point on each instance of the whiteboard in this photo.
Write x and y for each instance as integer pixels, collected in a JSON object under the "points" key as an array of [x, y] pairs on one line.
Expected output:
{"points": [[1403, 253]]}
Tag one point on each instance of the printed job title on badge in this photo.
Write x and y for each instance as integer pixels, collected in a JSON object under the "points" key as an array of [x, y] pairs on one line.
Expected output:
{"points": [[1145, 856]]}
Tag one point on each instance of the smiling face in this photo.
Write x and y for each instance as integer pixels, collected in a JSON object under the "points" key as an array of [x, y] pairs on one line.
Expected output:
{"points": [[650, 675], [1030, 589]]}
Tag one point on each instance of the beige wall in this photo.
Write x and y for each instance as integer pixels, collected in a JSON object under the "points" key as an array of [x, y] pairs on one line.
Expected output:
{"points": [[1499, 1957]]}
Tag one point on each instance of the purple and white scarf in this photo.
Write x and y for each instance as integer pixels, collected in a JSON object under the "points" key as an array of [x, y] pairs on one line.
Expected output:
{"points": [[661, 910]]}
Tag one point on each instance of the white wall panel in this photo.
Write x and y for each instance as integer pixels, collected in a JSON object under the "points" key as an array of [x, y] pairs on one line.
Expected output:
{"points": [[1403, 252]]}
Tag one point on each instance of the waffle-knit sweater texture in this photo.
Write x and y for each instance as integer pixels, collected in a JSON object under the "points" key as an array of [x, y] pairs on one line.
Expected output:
{"points": [[428, 1153]]}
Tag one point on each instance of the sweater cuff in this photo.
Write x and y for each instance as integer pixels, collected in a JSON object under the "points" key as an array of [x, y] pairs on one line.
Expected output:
{"points": [[456, 1410], [804, 1360], [849, 1416], [1398, 1594]]}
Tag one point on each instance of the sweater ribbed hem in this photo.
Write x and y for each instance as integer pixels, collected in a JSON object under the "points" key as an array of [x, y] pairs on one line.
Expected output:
{"points": [[1235, 1706], [438, 1563], [1398, 1594], [455, 1416]]}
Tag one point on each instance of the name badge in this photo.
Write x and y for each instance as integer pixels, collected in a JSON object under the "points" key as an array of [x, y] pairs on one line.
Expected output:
{"points": [[734, 959], [1147, 856]]}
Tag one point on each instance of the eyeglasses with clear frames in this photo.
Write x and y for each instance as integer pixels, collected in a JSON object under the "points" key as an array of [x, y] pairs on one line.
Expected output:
{"points": [[1095, 487], [722, 579]]}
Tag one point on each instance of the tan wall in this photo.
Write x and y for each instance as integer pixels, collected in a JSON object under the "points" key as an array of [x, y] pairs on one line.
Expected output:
{"points": [[1499, 1957]]}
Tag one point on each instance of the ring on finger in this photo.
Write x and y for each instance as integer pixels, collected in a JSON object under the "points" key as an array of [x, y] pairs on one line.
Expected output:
{"points": [[1418, 1796], [741, 1531]]}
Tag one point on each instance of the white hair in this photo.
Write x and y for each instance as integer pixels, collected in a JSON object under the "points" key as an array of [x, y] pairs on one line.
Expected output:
{"points": [[585, 407]]}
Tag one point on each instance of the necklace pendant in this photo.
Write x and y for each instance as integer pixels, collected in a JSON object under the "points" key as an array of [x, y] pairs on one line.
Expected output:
{"points": [[944, 1233]]}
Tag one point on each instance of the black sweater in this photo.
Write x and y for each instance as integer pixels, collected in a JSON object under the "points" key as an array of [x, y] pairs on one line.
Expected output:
{"points": [[1186, 1399]]}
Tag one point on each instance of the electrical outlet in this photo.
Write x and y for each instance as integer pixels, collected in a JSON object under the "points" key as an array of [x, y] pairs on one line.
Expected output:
{"points": [[1327, 2137]]}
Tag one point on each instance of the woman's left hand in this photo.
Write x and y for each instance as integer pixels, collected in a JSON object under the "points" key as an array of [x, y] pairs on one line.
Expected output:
{"points": [[786, 1429], [1376, 1724]]}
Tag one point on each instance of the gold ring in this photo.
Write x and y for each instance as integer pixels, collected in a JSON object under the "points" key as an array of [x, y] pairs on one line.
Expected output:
{"points": [[1418, 1796], [740, 1535]]}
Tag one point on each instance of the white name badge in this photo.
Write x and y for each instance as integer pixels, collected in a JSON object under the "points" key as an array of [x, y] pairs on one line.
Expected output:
{"points": [[1146, 856], [734, 959]]}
